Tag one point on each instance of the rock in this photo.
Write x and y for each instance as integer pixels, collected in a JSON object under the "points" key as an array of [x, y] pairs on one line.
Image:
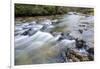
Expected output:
{"points": [[33, 22], [70, 40], [91, 51], [72, 13], [66, 36], [67, 43], [47, 28], [32, 32], [25, 32], [74, 59], [46, 22], [80, 43], [81, 31], [55, 21], [25, 24], [20, 32], [91, 57], [76, 56], [18, 28], [76, 34]]}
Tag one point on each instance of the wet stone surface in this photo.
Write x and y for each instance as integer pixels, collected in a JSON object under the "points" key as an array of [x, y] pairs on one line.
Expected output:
{"points": [[67, 39]]}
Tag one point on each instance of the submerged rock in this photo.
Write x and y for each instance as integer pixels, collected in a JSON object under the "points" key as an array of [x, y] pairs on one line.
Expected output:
{"points": [[70, 40]]}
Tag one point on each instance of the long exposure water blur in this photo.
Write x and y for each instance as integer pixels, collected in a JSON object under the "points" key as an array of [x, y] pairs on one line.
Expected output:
{"points": [[66, 38]]}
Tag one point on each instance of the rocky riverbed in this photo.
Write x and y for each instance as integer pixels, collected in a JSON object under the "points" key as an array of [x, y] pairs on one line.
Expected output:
{"points": [[67, 38]]}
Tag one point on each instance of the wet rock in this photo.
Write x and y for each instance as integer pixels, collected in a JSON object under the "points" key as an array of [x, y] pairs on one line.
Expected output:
{"points": [[76, 35], [47, 28], [26, 32], [45, 22], [45, 42], [80, 43], [76, 55], [72, 13], [91, 54], [33, 22], [66, 36], [18, 28], [67, 43], [25, 24], [91, 51], [91, 57], [29, 32], [81, 31], [55, 21]]}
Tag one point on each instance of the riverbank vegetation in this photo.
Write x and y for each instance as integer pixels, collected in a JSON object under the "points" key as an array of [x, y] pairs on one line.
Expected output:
{"points": [[46, 10]]}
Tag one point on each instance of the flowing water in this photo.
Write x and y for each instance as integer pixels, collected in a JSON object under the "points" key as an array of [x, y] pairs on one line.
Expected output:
{"points": [[43, 42]]}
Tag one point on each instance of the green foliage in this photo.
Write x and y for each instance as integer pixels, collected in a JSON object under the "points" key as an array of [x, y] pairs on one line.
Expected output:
{"points": [[42, 10]]}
